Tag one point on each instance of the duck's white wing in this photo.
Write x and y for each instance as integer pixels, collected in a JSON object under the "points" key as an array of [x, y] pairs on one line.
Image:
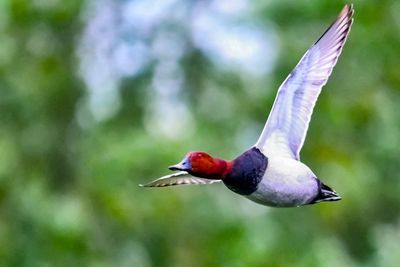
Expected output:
{"points": [[179, 178], [287, 124]]}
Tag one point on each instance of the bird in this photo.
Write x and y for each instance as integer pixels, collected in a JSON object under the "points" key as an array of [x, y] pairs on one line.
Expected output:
{"points": [[270, 172]]}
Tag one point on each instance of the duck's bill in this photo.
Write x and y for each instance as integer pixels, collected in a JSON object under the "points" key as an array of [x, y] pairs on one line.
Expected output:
{"points": [[178, 178], [184, 165]]}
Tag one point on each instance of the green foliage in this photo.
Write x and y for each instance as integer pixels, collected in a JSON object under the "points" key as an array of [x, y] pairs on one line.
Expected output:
{"points": [[69, 192]]}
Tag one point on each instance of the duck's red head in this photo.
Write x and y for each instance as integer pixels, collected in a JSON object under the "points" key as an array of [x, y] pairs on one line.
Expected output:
{"points": [[203, 165]]}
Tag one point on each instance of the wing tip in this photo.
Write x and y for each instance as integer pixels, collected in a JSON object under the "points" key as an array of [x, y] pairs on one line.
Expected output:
{"points": [[345, 17], [347, 13], [348, 8], [146, 185]]}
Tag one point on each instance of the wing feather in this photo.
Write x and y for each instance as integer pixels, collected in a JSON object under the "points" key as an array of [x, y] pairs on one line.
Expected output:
{"points": [[286, 128], [179, 178]]}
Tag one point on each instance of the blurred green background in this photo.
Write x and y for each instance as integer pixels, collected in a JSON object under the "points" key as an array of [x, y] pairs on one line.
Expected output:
{"points": [[99, 96]]}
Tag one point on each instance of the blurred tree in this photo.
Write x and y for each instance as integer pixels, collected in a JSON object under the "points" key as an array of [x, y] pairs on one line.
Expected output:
{"points": [[98, 96]]}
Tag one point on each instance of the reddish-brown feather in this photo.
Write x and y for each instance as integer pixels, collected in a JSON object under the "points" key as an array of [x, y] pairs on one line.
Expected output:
{"points": [[203, 165]]}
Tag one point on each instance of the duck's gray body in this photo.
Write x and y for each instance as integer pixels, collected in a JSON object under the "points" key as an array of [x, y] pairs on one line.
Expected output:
{"points": [[286, 183], [276, 181]]}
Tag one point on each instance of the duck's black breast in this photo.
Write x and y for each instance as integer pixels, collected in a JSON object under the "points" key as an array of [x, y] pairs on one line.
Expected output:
{"points": [[247, 172]]}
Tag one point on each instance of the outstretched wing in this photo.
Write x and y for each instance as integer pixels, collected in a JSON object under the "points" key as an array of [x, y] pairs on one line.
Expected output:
{"points": [[179, 178], [287, 124]]}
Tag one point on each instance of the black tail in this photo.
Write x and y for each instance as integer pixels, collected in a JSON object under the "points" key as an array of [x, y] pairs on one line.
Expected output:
{"points": [[325, 194]]}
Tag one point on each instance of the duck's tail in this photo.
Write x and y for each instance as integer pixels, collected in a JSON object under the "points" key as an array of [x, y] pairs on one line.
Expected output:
{"points": [[325, 194]]}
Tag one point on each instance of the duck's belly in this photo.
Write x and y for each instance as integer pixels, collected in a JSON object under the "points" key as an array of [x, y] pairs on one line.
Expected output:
{"points": [[286, 183]]}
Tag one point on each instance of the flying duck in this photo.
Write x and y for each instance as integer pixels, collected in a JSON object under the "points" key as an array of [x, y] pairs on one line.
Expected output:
{"points": [[271, 173]]}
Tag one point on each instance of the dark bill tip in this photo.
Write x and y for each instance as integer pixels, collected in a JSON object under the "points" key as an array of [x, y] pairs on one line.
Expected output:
{"points": [[184, 165], [174, 167]]}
